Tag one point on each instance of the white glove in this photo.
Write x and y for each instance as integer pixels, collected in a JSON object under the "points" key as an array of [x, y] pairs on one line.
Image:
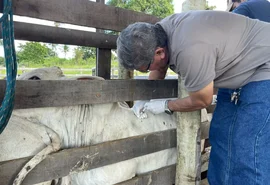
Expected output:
{"points": [[155, 106], [138, 109]]}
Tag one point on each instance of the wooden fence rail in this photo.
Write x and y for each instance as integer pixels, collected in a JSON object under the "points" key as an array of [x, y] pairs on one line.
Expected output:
{"points": [[80, 12], [54, 93], [48, 34], [76, 160], [165, 175], [66, 161]]}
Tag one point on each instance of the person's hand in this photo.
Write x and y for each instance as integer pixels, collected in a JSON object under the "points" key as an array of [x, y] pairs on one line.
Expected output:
{"points": [[138, 109], [155, 106]]}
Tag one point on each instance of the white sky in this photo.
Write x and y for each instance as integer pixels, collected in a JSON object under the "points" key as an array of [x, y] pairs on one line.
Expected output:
{"points": [[220, 5]]}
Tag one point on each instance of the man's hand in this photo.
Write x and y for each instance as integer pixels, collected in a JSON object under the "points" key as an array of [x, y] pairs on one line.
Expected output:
{"points": [[138, 109], [155, 106]]}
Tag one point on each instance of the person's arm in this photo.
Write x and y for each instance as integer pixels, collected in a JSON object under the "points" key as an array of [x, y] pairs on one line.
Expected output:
{"points": [[139, 105], [198, 71], [243, 9], [158, 74], [195, 101]]}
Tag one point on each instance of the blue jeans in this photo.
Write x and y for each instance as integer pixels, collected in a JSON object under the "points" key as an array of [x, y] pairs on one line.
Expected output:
{"points": [[240, 137]]}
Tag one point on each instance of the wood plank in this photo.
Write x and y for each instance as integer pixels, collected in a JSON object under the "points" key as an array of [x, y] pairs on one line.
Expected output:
{"points": [[163, 176], [33, 94], [104, 63], [66, 161], [40, 33], [205, 126], [80, 12], [188, 168], [103, 59], [211, 108]]}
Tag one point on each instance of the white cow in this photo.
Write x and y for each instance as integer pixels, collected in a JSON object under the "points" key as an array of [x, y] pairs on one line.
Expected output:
{"points": [[49, 129]]}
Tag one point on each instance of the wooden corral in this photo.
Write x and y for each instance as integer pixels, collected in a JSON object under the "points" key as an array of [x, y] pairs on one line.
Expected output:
{"points": [[33, 94]]}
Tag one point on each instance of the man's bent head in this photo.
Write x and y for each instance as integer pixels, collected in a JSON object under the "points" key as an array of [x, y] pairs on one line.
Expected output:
{"points": [[137, 43]]}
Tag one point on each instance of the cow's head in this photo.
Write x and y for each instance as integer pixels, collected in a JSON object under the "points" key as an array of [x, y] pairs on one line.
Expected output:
{"points": [[50, 73]]}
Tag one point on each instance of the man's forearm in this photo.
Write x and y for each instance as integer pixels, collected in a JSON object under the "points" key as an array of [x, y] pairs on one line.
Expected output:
{"points": [[185, 105], [159, 74], [156, 75]]}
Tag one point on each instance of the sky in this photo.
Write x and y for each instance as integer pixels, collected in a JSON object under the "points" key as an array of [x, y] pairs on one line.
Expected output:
{"points": [[220, 5]]}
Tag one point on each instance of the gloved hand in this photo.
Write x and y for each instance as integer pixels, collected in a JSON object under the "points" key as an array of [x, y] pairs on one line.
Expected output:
{"points": [[138, 109], [155, 106]]}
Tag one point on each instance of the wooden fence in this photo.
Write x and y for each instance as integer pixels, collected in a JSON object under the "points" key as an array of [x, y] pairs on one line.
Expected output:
{"points": [[79, 72], [32, 94]]}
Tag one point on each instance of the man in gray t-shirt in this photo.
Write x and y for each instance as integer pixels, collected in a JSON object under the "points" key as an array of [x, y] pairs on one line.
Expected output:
{"points": [[211, 49]]}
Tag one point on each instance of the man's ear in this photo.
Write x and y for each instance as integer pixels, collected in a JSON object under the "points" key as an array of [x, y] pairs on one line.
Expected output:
{"points": [[160, 52]]}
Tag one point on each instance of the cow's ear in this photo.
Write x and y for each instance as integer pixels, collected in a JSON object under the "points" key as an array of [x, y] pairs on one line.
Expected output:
{"points": [[34, 78]]}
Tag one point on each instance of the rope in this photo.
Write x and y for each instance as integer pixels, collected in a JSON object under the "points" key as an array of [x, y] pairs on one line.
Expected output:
{"points": [[11, 65]]}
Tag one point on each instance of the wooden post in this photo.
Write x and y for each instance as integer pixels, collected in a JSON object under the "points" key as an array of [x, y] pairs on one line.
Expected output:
{"points": [[103, 58], [103, 63], [188, 168], [124, 74]]}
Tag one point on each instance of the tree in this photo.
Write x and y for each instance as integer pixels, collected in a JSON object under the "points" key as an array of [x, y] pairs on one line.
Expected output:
{"points": [[33, 52], [159, 8], [65, 49], [88, 52], [53, 48], [207, 7], [78, 55]]}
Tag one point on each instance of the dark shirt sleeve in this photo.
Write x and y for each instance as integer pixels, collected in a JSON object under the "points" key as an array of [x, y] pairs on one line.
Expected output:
{"points": [[243, 10]]}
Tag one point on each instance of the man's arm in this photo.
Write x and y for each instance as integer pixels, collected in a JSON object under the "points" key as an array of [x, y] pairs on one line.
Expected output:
{"points": [[195, 101], [243, 9], [158, 74]]}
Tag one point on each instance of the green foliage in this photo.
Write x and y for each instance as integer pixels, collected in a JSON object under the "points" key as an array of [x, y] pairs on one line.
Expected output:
{"points": [[159, 8], [33, 52], [78, 56], [65, 49], [207, 7], [52, 49], [37, 55], [54, 61], [2, 61], [88, 52]]}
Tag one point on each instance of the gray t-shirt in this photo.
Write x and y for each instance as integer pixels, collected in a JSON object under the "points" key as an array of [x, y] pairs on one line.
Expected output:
{"points": [[226, 48]]}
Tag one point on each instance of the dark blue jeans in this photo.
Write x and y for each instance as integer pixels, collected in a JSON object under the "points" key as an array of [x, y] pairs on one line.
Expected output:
{"points": [[240, 137]]}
